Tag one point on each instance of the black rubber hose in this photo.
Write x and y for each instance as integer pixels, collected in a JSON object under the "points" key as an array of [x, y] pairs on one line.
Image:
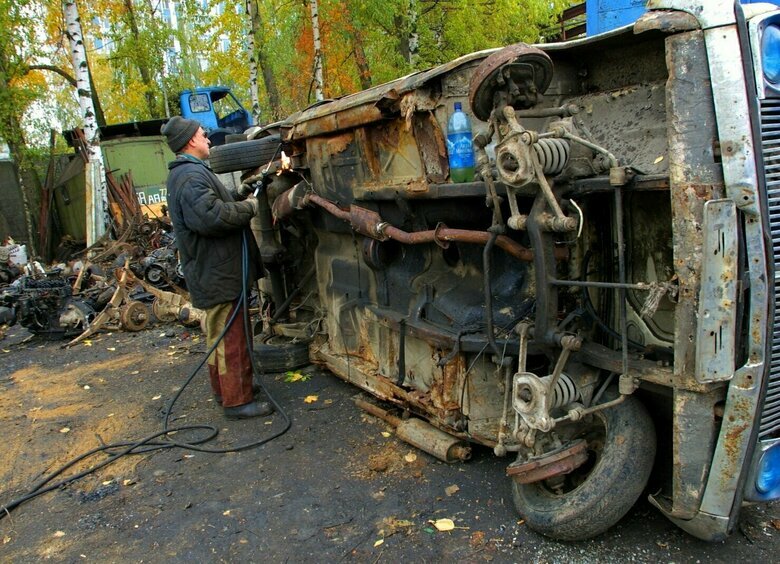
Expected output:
{"points": [[148, 444]]}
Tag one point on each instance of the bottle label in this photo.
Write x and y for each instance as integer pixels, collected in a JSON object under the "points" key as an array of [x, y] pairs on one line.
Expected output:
{"points": [[461, 154]]}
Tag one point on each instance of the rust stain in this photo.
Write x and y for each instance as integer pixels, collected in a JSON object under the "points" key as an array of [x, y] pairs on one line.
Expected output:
{"points": [[369, 153], [417, 186], [339, 143], [445, 390], [734, 437], [346, 119], [432, 147], [387, 135]]}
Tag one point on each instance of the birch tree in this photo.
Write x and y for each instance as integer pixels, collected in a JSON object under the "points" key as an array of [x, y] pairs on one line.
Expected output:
{"points": [[315, 29], [96, 180], [259, 63]]}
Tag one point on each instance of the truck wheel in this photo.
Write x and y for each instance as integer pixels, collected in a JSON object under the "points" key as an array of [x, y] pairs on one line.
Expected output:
{"points": [[245, 155], [595, 496], [277, 353]]}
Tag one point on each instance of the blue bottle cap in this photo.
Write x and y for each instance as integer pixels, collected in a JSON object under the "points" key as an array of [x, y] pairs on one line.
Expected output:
{"points": [[457, 106]]}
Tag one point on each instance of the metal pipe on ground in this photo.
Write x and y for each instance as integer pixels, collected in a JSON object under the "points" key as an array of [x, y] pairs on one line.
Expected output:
{"points": [[422, 435]]}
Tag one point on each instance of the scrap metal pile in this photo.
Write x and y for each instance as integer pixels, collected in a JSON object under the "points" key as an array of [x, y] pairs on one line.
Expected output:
{"points": [[125, 284]]}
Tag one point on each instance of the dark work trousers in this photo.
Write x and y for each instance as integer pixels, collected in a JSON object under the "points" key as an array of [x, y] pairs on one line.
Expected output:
{"points": [[230, 367]]}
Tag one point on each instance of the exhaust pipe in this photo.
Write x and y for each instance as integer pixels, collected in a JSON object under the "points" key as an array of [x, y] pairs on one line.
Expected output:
{"points": [[422, 435]]}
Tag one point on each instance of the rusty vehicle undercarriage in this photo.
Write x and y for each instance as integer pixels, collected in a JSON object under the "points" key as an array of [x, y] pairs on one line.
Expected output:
{"points": [[592, 306]]}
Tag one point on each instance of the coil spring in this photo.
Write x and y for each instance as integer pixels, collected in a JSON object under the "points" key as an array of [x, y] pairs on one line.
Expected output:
{"points": [[553, 155], [565, 392]]}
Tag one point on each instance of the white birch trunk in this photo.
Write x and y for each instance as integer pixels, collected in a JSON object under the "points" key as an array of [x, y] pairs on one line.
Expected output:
{"points": [[96, 195], [315, 28], [414, 35], [251, 10]]}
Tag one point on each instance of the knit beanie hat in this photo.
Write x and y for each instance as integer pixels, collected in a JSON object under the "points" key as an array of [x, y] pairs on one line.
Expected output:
{"points": [[178, 131]]}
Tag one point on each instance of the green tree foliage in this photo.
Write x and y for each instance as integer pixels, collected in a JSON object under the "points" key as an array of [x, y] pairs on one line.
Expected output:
{"points": [[19, 48], [364, 42]]}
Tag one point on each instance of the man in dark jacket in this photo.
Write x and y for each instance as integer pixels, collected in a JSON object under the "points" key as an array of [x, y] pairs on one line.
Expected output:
{"points": [[210, 226]]}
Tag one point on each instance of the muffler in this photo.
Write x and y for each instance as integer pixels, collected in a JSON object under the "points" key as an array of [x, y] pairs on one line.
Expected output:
{"points": [[422, 435]]}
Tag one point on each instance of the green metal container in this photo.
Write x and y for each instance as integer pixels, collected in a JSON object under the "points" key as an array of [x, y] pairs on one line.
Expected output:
{"points": [[146, 159]]}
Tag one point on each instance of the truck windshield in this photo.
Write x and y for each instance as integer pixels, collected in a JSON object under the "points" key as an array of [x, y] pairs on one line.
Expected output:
{"points": [[199, 103]]}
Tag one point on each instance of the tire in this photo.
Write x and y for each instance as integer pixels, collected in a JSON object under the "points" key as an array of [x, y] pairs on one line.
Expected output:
{"points": [[235, 137], [217, 137], [595, 496], [245, 155], [278, 354]]}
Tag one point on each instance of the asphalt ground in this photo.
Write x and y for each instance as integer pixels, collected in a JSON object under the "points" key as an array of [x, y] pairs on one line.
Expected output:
{"points": [[337, 487]]}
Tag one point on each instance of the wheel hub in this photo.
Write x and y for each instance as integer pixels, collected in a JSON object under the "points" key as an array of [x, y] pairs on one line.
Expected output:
{"points": [[518, 73], [555, 463]]}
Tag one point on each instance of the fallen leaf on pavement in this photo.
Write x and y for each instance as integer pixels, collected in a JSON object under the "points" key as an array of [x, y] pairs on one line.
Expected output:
{"points": [[309, 399], [226, 512], [380, 541], [59, 534], [390, 526], [477, 539], [411, 457], [6, 540], [443, 524], [385, 434], [87, 343], [65, 430], [296, 377], [451, 490], [156, 397]]}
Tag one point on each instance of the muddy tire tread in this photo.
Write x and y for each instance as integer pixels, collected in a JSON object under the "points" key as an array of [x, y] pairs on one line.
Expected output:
{"points": [[279, 356], [608, 493], [244, 155]]}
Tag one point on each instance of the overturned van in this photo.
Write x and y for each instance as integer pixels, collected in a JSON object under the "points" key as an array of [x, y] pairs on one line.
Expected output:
{"points": [[597, 305]]}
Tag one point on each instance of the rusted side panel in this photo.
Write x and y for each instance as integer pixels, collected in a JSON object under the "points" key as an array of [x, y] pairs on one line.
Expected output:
{"points": [[695, 429], [394, 150], [336, 165], [327, 124], [695, 177], [432, 147], [445, 391]]}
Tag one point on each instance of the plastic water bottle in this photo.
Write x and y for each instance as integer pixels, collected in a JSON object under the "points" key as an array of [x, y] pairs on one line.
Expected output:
{"points": [[459, 146]]}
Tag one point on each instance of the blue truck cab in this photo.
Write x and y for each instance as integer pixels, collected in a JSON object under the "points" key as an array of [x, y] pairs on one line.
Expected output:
{"points": [[217, 109], [605, 15]]}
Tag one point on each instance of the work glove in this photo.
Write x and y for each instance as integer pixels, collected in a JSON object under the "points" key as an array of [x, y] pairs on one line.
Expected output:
{"points": [[256, 181], [255, 205], [244, 190]]}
